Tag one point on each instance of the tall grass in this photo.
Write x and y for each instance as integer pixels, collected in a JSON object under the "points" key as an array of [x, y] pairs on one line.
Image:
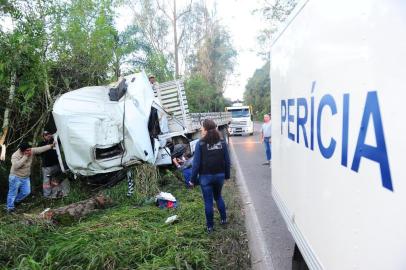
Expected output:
{"points": [[130, 235]]}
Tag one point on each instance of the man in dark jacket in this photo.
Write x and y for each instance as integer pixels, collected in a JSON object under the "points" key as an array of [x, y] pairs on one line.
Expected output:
{"points": [[50, 164]]}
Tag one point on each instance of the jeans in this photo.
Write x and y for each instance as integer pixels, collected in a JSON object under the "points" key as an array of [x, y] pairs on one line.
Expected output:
{"points": [[267, 148], [211, 185], [187, 175], [18, 189]]}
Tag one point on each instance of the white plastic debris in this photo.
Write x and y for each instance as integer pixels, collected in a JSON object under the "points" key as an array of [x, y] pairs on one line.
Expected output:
{"points": [[171, 219], [165, 196]]}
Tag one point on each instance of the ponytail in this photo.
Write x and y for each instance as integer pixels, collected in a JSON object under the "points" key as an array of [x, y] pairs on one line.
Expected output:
{"points": [[212, 136]]}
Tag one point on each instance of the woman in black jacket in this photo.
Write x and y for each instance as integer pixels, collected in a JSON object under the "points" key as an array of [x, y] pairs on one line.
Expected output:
{"points": [[211, 164]]}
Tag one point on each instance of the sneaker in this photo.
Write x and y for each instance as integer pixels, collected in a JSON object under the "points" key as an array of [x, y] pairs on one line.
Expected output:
{"points": [[210, 230], [223, 222], [17, 203], [11, 210], [266, 163]]}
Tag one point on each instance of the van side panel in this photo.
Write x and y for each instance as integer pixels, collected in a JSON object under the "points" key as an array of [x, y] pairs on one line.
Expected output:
{"points": [[338, 75]]}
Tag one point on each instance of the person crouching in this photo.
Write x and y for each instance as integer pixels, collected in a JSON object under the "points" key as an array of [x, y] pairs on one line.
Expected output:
{"points": [[184, 164]]}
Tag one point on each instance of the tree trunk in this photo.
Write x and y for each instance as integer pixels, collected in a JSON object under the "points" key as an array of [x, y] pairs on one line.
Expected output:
{"points": [[6, 118], [11, 93], [175, 39], [77, 210], [46, 83]]}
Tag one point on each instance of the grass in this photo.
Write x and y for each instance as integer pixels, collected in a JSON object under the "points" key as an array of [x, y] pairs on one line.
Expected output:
{"points": [[129, 235]]}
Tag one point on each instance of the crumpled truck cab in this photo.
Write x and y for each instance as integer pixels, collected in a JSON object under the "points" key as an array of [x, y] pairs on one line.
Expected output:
{"points": [[103, 129]]}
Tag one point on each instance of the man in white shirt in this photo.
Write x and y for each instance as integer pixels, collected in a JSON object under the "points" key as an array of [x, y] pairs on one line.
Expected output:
{"points": [[266, 137]]}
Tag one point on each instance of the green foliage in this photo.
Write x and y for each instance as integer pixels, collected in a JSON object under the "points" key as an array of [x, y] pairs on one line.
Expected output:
{"points": [[158, 65], [257, 92], [85, 43], [55, 46], [202, 96], [216, 57], [129, 237]]}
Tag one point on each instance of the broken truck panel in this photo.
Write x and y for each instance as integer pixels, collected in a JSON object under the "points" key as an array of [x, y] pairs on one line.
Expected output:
{"points": [[99, 135], [103, 129]]}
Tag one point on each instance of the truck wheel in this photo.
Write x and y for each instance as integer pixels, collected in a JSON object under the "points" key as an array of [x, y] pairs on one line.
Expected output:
{"points": [[298, 262]]}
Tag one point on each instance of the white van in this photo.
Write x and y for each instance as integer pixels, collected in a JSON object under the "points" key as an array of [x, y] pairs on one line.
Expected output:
{"points": [[338, 73]]}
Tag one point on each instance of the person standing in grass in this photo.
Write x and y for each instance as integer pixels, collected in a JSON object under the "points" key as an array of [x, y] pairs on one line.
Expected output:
{"points": [[50, 164], [211, 166], [266, 138], [19, 186]]}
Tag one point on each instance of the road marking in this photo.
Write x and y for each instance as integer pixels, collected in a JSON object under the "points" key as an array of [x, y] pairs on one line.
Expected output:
{"points": [[261, 257]]}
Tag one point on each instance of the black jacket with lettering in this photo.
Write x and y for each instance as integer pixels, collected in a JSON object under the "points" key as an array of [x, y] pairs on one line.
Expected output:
{"points": [[210, 159]]}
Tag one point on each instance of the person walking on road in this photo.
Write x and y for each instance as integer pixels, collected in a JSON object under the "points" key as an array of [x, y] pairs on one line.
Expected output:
{"points": [[211, 164], [19, 179], [50, 164], [266, 138]]}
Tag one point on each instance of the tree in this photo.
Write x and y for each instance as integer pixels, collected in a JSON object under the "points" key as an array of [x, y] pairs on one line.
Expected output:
{"points": [[202, 96], [257, 91], [216, 56], [152, 23], [194, 26], [174, 16], [85, 44], [210, 57], [273, 13]]}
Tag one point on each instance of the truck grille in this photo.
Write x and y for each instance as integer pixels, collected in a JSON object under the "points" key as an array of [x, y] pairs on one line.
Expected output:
{"points": [[238, 123]]}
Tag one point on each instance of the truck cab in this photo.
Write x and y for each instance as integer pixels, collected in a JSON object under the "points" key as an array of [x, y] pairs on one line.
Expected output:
{"points": [[103, 130], [241, 120]]}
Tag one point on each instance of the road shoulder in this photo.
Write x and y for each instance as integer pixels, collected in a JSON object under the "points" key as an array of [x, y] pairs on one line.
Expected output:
{"points": [[260, 255]]}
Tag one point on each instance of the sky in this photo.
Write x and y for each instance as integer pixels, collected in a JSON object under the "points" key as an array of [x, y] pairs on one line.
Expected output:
{"points": [[244, 27]]}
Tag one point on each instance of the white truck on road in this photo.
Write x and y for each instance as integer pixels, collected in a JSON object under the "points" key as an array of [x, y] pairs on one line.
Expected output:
{"points": [[241, 120], [338, 171]]}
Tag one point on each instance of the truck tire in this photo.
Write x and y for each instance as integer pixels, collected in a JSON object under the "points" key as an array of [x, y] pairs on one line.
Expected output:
{"points": [[298, 262]]}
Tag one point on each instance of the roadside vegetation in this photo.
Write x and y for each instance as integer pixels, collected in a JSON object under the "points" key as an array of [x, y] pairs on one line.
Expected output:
{"points": [[50, 47], [130, 234]]}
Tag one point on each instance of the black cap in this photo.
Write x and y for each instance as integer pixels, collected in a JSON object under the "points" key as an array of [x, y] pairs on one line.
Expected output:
{"points": [[24, 146]]}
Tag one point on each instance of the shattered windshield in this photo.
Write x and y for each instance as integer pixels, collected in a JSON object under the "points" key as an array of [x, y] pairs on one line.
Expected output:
{"points": [[240, 113]]}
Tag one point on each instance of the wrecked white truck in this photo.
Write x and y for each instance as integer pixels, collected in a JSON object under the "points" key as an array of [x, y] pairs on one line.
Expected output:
{"points": [[103, 130]]}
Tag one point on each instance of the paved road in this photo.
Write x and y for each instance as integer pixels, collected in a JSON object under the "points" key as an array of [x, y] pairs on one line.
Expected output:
{"points": [[250, 154]]}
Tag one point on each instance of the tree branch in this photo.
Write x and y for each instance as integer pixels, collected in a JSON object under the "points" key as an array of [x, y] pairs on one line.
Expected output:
{"points": [[163, 10], [189, 9], [180, 37]]}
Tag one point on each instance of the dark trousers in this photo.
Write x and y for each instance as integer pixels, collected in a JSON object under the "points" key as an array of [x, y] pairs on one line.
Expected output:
{"points": [[267, 148], [211, 185]]}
